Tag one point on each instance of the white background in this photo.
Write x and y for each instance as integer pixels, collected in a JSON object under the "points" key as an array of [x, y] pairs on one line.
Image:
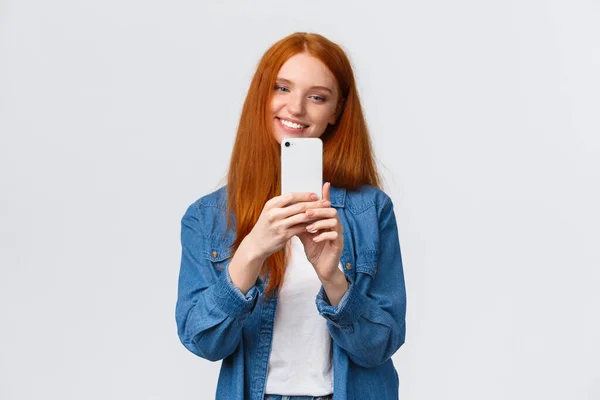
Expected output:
{"points": [[116, 115]]}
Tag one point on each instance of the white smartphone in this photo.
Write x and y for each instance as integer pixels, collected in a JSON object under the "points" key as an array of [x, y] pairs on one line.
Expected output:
{"points": [[302, 165]]}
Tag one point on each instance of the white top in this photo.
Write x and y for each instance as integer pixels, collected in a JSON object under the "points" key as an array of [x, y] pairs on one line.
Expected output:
{"points": [[300, 362]]}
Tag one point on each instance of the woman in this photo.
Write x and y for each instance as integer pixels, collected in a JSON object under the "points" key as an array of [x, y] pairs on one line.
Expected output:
{"points": [[254, 262]]}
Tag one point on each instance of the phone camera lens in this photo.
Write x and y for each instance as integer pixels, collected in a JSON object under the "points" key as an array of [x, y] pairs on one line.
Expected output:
{"points": [[287, 144]]}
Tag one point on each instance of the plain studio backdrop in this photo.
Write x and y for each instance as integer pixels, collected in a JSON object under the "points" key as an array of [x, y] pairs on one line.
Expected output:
{"points": [[116, 115]]}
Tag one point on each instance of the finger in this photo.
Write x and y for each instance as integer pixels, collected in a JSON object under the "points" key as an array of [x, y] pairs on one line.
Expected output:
{"points": [[327, 191], [327, 235], [323, 224], [297, 219], [297, 229], [290, 198], [298, 208], [325, 212], [303, 216]]}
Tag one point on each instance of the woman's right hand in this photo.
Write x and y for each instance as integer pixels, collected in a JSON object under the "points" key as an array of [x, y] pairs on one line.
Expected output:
{"points": [[282, 217]]}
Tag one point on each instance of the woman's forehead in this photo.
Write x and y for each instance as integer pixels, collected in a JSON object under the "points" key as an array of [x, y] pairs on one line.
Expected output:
{"points": [[304, 69]]}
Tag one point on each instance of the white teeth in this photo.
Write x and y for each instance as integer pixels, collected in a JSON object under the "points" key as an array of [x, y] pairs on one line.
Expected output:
{"points": [[291, 124]]}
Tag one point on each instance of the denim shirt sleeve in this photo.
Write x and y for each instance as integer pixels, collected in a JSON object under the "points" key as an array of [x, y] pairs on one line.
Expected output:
{"points": [[369, 321], [210, 309]]}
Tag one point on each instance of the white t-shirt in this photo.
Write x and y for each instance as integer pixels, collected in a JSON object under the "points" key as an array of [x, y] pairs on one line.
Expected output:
{"points": [[300, 362]]}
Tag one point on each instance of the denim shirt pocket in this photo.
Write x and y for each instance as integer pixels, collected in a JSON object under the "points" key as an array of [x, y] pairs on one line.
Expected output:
{"points": [[366, 268], [218, 252], [218, 255], [361, 217]]}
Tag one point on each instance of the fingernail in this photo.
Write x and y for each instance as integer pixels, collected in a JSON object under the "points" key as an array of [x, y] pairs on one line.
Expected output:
{"points": [[310, 227], [326, 204], [310, 212], [314, 197]]}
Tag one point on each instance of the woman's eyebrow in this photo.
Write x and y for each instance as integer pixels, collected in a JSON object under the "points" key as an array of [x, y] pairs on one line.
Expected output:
{"points": [[286, 81]]}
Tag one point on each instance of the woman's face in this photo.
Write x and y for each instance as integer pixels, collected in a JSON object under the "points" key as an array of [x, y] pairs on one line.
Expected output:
{"points": [[305, 98]]}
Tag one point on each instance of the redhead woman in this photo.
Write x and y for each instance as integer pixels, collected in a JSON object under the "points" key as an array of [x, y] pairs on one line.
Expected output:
{"points": [[300, 297]]}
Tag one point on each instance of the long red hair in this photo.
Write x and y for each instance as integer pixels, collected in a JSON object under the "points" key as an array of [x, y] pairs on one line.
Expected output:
{"points": [[254, 170]]}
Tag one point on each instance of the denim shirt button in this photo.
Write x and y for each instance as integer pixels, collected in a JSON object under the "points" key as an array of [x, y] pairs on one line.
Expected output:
{"points": [[215, 254], [348, 266]]}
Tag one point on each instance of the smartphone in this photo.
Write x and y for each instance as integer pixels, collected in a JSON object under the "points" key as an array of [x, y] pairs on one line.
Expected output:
{"points": [[302, 165]]}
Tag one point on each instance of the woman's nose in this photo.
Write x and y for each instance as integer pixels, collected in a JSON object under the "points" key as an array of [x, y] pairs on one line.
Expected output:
{"points": [[295, 105]]}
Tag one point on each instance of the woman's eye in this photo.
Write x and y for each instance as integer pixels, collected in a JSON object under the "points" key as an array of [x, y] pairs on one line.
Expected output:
{"points": [[318, 98], [281, 88]]}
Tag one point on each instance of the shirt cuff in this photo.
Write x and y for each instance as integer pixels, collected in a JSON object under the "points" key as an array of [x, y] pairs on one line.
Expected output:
{"points": [[230, 299], [348, 311]]}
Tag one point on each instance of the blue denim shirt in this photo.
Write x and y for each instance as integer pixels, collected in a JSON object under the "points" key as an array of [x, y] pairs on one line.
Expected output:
{"points": [[217, 322]]}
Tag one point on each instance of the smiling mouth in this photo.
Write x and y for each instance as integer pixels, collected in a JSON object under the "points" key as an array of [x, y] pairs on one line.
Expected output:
{"points": [[292, 125]]}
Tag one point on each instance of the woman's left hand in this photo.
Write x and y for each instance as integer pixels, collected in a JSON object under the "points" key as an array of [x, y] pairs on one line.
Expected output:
{"points": [[324, 240]]}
